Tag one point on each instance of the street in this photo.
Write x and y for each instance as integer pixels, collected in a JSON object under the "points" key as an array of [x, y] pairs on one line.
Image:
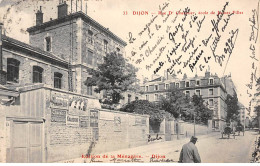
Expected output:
{"points": [[236, 150], [212, 149]]}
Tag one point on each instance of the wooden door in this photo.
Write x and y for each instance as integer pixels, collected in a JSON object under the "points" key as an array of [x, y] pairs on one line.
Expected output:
{"points": [[26, 142], [19, 142]]}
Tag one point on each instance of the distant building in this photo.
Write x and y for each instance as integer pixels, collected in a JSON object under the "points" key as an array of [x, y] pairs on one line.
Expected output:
{"points": [[242, 114], [210, 87], [247, 122]]}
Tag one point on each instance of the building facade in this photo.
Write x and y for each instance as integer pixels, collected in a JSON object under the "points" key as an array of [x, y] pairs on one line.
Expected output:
{"points": [[77, 39], [210, 87], [242, 114]]}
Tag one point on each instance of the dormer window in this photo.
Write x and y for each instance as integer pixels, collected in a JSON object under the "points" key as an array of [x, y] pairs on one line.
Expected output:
{"points": [[156, 87], [211, 81], [187, 84], [48, 43], [177, 85], [198, 82], [118, 49]]}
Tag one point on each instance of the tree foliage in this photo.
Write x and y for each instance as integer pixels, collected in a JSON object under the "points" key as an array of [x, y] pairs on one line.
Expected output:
{"points": [[147, 108], [114, 76], [202, 113], [232, 107], [156, 115], [181, 105], [176, 103]]}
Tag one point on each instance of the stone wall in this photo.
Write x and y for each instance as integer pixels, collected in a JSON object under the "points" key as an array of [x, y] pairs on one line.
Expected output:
{"points": [[187, 129], [114, 130], [73, 131], [119, 130]]}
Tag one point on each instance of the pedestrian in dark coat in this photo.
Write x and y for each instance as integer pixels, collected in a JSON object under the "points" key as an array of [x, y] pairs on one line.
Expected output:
{"points": [[189, 152]]}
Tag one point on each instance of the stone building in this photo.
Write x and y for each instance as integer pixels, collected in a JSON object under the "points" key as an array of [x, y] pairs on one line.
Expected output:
{"points": [[210, 87], [75, 38]]}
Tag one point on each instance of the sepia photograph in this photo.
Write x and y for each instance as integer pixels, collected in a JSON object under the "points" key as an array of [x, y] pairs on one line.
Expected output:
{"points": [[129, 81]]}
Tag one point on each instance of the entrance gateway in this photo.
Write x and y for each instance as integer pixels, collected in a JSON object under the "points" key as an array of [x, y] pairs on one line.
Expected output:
{"points": [[25, 141]]}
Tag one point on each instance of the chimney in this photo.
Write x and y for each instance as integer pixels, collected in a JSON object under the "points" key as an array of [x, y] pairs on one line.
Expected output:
{"points": [[166, 75], [39, 17], [62, 9], [184, 76], [207, 74]]}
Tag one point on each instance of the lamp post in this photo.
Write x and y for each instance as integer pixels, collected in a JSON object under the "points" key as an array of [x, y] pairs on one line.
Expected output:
{"points": [[194, 114], [194, 124]]}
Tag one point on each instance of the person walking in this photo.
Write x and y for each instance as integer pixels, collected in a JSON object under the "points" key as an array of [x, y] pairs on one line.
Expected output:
{"points": [[189, 152]]}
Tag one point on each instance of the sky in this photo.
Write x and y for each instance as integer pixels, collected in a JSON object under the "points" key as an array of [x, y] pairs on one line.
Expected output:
{"points": [[18, 15]]}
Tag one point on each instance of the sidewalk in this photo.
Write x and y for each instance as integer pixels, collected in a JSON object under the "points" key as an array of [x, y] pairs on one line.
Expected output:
{"points": [[161, 151]]}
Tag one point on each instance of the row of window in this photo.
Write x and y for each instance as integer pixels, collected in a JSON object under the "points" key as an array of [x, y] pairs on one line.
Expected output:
{"points": [[156, 97], [177, 85], [198, 92], [105, 42], [90, 40], [13, 73]]}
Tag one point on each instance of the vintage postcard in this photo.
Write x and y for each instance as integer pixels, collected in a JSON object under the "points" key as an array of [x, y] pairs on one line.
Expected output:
{"points": [[129, 81]]}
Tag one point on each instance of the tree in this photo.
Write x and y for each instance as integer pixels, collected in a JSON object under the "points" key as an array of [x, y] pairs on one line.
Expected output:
{"points": [[179, 104], [114, 76], [257, 108], [232, 107], [202, 113], [176, 103], [156, 115]]}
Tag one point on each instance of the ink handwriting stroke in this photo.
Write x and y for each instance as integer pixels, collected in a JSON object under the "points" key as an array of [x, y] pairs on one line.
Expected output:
{"points": [[180, 41]]}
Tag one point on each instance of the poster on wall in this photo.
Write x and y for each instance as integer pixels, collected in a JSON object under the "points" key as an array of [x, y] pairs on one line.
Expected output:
{"points": [[117, 124], [84, 121], [58, 116], [94, 118], [77, 103], [174, 55], [140, 121], [72, 121], [59, 100]]}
